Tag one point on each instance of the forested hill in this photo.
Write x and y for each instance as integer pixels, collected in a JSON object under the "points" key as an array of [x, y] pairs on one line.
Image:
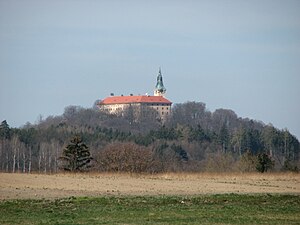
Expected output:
{"points": [[194, 139]]}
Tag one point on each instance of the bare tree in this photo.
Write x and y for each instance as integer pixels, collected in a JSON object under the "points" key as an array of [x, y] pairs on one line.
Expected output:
{"points": [[15, 150], [126, 157]]}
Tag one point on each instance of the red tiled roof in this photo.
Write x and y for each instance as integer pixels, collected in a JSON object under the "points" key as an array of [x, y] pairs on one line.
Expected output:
{"points": [[134, 99]]}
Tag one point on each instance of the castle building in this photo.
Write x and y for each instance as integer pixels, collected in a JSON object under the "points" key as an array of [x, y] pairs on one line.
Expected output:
{"points": [[158, 102]]}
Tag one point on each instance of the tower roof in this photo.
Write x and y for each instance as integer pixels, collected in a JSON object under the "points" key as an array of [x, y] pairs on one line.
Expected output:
{"points": [[159, 84]]}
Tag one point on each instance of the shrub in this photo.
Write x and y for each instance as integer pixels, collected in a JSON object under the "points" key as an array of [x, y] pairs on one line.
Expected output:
{"points": [[126, 157]]}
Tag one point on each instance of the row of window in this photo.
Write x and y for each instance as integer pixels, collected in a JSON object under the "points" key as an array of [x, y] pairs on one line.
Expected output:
{"points": [[163, 108], [114, 109], [157, 104]]}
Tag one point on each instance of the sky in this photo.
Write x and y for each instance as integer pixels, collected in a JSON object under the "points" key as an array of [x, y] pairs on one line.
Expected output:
{"points": [[231, 54]]}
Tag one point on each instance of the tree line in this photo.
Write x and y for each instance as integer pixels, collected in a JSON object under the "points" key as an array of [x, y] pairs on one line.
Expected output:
{"points": [[193, 139]]}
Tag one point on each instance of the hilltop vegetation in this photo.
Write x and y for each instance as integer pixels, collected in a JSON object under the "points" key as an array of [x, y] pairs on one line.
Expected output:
{"points": [[194, 139]]}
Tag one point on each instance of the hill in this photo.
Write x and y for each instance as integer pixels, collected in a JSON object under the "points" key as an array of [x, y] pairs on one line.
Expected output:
{"points": [[193, 139]]}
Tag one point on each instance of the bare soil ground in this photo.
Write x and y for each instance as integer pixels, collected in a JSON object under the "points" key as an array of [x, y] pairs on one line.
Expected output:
{"points": [[37, 186]]}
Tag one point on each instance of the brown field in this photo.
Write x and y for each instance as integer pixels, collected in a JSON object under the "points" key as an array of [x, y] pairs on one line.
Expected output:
{"points": [[23, 186]]}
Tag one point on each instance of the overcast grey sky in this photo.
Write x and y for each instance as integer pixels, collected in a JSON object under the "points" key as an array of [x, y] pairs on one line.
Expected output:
{"points": [[234, 54]]}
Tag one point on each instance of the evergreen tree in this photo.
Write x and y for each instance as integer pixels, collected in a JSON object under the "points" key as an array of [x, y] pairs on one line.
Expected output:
{"points": [[4, 130], [180, 152], [264, 163], [76, 156], [224, 137]]}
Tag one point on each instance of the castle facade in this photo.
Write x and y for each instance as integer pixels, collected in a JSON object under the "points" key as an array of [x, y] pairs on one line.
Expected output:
{"points": [[157, 102]]}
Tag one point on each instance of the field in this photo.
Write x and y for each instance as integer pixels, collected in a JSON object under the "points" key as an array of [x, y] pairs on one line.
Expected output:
{"points": [[37, 186], [204, 209], [150, 199]]}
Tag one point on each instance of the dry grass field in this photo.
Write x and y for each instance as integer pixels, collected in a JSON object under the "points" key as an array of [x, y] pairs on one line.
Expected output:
{"points": [[38, 186]]}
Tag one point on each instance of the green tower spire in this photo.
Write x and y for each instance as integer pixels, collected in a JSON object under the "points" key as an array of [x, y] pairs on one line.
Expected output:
{"points": [[160, 90]]}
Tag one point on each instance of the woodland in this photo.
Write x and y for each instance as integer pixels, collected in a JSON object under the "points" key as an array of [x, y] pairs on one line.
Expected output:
{"points": [[192, 140]]}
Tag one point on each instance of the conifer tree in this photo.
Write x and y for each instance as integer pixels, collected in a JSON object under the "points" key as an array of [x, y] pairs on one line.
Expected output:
{"points": [[4, 130], [264, 163], [76, 156]]}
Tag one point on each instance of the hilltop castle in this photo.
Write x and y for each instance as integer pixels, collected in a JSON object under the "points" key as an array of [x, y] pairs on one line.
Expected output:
{"points": [[158, 102]]}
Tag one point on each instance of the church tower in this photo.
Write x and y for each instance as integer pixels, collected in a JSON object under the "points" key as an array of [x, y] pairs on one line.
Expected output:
{"points": [[160, 90]]}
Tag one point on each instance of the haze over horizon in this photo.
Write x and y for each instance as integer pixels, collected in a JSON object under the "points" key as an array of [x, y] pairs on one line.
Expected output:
{"points": [[238, 55]]}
